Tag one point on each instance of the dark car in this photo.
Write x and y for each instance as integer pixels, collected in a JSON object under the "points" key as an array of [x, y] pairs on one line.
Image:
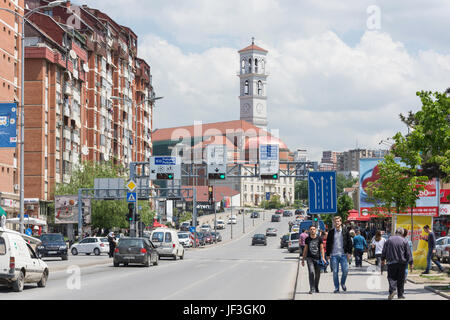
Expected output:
{"points": [[216, 235], [299, 212], [53, 245], [135, 250], [208, 237], [254, 215], [287, 213], [284, 241], [276, 218], [201, 238], [259, 239]]}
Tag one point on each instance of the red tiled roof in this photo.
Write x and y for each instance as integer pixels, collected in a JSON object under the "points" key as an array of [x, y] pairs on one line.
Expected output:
{"points": [[253, 47]]}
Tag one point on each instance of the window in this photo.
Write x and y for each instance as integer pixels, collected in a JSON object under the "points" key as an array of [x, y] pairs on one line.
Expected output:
{"points": [[57, 166], [158, 236], [243, 66], [250, 65], [246, 88], [168, 237], [2, 247], [259, 88], [256, 65]]}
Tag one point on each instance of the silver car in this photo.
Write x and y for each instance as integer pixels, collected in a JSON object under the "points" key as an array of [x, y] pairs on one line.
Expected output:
{"points": [[443, 249]]}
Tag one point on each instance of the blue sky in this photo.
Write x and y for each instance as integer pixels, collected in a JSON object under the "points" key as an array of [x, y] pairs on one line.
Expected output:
{"points": [[340, 71]]}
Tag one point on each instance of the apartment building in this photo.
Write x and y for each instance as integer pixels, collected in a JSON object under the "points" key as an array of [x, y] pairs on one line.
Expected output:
{"points": [[329, 160], [87, 98], [10, 91]]}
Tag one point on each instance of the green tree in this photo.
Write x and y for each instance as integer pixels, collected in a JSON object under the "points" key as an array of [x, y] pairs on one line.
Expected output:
{"points": [[397, 188], [301, 190], [428, 144], [344, 204], [343, 182]]}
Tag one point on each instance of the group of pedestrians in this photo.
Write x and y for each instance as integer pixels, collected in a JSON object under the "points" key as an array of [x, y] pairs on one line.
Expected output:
{"points": [[394, 254]]}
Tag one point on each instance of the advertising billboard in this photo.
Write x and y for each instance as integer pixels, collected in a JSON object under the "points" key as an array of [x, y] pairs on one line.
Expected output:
{"points": [[66, 209], [8, 125], [426, 205]]}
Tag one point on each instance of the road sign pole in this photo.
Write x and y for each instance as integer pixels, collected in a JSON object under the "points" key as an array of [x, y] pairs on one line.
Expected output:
{"points": [[194, 214]]}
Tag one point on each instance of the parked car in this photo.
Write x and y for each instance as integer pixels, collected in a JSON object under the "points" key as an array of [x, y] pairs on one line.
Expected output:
{"points": [[205, 228], [185, 239], [216, 235], [208, 237], [167, 243], [443, 249], [276, 218], [271, 232], [95, 245], [259, 239], [185, 226], [135, 250], [284, 241], [293, 242], [232, 220], [287, 214], [19, 263], [200, 238], [220, 224], [53, 245], [254, 215], [279, 211]]}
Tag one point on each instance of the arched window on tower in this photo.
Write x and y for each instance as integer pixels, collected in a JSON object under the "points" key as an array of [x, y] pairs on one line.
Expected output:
{"points": [[259, 88], [246, 87], [250, 65], [256, 65], [243, 66], [262, 66]]}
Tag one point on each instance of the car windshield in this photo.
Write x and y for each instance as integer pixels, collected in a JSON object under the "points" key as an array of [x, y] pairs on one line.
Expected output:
{"points": [[130, 243], [158, 236], [294, 236], [285, 237], [52, 238], [104, 239], [256, 236], [183, 235]]}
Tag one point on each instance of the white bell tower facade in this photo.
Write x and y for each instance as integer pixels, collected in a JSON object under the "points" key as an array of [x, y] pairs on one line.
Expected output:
{"points": [[253, 80]]}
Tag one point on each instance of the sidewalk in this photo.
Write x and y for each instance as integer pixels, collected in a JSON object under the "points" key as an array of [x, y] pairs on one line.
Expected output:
{"points": [[362, 284]]}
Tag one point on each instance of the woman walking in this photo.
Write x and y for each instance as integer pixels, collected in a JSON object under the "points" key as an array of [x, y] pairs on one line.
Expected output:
{"points": [[315, 256], [378, 243]]}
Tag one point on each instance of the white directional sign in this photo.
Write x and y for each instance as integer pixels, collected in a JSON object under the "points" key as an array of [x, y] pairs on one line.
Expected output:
{"points": [[216, 159], [269, 159], [165, 165]]}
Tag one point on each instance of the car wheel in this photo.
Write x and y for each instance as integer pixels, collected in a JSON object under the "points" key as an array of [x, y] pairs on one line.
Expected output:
{"points": [[97, 251], [156, 260], [147, 262], [175, 257], [74, 251], [116, 264], [65, 257], [182, 256], [88, 253], [43, 282], [125, 264], [18, 284]]}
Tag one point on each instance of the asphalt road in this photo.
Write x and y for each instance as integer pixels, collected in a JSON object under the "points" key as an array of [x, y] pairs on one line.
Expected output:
{"points": [[231, 270]]}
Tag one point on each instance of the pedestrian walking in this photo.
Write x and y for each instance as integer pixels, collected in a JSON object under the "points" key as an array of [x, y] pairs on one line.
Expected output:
{"points": [[339, 247], [378, 244], [410, 244], [301, 240], [112, 244], [315, 257], [359, 245], [396, 253], [431, 239], [324, 236]]}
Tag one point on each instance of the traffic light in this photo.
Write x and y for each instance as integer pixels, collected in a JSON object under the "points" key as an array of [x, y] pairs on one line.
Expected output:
{"points": [[269, 176], [210, 194], [130, 212], [216, 176], [164, 176]]}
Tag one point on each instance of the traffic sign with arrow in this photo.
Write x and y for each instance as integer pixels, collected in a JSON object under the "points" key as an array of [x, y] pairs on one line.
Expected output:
{"points": [[322, 193]]}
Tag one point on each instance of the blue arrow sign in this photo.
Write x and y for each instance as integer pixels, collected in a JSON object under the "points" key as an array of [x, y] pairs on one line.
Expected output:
{"points": [[131, 196], [192, 229], [267, 196], [322, 192]]}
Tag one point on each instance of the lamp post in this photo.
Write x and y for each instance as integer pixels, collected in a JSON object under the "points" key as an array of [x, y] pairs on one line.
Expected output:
{"points": [[22, 100]]}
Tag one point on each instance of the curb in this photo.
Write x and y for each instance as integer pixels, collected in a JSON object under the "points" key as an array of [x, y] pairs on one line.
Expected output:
{"points": [[439, 292]]}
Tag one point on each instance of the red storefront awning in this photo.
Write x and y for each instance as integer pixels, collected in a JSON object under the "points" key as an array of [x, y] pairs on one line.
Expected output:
{"points": [[354, 216]]}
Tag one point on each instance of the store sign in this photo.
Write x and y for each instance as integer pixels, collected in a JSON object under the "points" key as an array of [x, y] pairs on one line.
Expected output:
{"points": [[444, 210], [426, 205], [445, 195], [8, 125], [420, 248]]}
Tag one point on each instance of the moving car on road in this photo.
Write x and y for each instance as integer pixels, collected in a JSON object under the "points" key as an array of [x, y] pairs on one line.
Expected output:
{"points": [[208, 237], [284, 241], [287, 214], [185, 239], [254, 215], [205, 228], [185, 226], [271, 232], [135, 250], [293, 244], [167, 243], [95, 245], [279, 211], [276, 218], [232, 220], [53, 245], [19, 264], [216, 235], [220, 224], [201, 238], [259, 238]]}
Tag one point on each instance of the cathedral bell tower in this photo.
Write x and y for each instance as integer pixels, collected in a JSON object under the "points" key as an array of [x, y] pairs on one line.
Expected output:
{"points": [[253, 79]]}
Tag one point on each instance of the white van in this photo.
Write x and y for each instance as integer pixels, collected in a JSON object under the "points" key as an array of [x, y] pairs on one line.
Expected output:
{"points": [[167, 243], [19, 264]]}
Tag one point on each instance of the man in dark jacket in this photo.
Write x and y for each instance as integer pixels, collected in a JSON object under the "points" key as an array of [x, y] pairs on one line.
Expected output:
{"points": [[339, 247], [431, 239], [397, 253]]}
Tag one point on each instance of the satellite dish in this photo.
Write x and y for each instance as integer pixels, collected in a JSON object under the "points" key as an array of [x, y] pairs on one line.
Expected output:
{"points": [[85, 67], [106, 157], [85, 150], [73, 54]]}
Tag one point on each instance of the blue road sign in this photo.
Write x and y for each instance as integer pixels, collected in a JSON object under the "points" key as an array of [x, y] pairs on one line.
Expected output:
{"points": [[167, 161], [192, 229], [131, 196], [322, 192], [268, 152], [267, 196], [8, 124]]}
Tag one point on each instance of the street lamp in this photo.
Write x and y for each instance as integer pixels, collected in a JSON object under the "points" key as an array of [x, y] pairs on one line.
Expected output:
{"points": [[22, 100]]}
